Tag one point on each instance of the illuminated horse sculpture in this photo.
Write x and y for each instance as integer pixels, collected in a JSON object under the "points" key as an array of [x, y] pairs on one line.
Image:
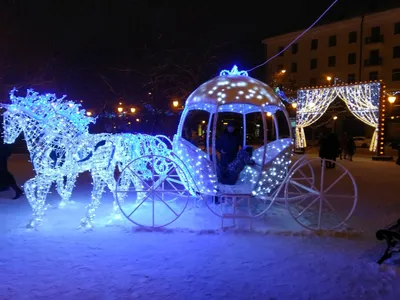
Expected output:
{"points": [[60, 146]]}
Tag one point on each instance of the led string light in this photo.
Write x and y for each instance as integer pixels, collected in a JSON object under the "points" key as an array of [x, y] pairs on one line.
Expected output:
{"points": [[361, 99], [60, 147], [311, 105], [278, 159], [234, 91]]}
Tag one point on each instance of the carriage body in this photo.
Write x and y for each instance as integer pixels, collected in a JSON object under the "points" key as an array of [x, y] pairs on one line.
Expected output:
{"points": [[240, 95]]}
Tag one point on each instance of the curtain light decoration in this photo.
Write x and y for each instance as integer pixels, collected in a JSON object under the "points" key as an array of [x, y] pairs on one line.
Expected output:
{"points": [[362, 100], [311, 105], [60, 147]]}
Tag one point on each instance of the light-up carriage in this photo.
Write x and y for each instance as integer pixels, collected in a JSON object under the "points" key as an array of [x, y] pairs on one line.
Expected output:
{"points": [[163, 184]]}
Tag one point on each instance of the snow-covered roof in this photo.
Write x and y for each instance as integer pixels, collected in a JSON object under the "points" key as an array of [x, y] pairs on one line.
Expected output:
{"points": [[233, 92]]}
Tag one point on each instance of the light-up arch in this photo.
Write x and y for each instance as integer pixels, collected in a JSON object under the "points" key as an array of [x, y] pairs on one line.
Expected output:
{"points": [[366, 101]]}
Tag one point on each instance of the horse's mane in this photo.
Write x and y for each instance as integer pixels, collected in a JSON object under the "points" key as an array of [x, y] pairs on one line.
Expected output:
{"points": [[49, 108]]}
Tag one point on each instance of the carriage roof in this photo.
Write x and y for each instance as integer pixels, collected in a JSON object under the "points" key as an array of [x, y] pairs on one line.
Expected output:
{"points": [[232, 92]]}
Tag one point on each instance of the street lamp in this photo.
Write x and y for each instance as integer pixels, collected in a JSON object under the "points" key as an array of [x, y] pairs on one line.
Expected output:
{"points": [[89, 113], [175, 103], [392, 99], [329, 78], [133, 110], [120, 109], [269, 114], [283, 71], [294, 105], [335, 118]]}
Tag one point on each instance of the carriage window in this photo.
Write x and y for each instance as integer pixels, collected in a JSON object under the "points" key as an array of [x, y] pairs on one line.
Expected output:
{"points": [[254, 130], [283, 126], [195, 127]]}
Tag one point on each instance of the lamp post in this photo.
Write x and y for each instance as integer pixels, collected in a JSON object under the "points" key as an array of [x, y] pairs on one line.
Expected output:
{"points": [[334, 124], [391, 100], [329, 78]]}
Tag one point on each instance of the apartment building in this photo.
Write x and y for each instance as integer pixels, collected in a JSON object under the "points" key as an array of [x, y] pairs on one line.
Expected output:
{"points": [[357, 49]]}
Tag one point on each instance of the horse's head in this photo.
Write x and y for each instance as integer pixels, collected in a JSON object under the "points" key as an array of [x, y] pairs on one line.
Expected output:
{"points": [[12, 125]]}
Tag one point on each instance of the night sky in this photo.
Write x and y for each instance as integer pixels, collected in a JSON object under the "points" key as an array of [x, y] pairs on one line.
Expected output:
{"points": [[103, 51]]}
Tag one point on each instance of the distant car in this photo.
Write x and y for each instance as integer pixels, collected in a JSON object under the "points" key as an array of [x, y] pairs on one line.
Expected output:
{"points": [[361, 141]]}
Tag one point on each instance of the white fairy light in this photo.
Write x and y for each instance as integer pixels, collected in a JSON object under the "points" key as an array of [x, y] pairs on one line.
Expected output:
{"points": [[361, 99], [234, 91], [60, 147]]}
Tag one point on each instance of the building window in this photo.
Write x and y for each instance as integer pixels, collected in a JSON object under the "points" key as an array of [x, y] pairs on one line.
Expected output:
{"points": [[396, 75], [295, 48], [397, 28], [331, 61], [351, 78], [279, 67], [313, 64], [332, 41], [351, 58], [314, 44], [353, 37], [313, 81], [375, 32], [281, 49], [396, 52], [373, 75], [293, 68]]}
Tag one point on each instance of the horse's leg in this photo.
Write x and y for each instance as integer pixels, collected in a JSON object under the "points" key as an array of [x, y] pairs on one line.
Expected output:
{"points": [[65, 185], [36, 190], [98, 188], [138, 184], [122, 190]]}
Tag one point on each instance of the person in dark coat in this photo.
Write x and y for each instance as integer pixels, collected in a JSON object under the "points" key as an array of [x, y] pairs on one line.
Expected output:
{"points": [[322, 146], [7, 180], [350, 147], [332, 150], [343, 146], [228, 145]]}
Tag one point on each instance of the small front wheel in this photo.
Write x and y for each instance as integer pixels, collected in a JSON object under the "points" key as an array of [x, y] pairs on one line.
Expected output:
{"points": [[155, 194]]}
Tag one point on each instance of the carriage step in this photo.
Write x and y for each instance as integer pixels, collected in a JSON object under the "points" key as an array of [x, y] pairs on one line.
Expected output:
{"points": [[235, 216]]}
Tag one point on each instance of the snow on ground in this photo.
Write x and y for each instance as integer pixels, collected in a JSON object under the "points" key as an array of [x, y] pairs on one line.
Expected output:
{"points": [[193, 258]]}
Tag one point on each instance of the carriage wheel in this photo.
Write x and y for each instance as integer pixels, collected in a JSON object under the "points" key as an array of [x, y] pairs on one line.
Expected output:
{"points": [[157, 193], [325, 202], [165, 140]]}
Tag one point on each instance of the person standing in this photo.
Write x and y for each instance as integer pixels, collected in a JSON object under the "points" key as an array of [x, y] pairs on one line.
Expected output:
{"points": [[332, 150], [343, 146], [228, 145], [350, 147], [7, 180]]}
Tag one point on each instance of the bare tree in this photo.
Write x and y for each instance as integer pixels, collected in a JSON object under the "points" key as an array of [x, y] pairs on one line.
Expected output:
{"points": [[19, 68]]}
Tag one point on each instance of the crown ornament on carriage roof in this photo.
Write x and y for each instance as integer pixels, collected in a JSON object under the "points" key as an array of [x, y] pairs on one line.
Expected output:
{"points": [[234, 72]]}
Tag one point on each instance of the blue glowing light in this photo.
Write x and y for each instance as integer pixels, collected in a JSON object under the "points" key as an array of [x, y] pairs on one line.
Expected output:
{"points": [[234, 72]]}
